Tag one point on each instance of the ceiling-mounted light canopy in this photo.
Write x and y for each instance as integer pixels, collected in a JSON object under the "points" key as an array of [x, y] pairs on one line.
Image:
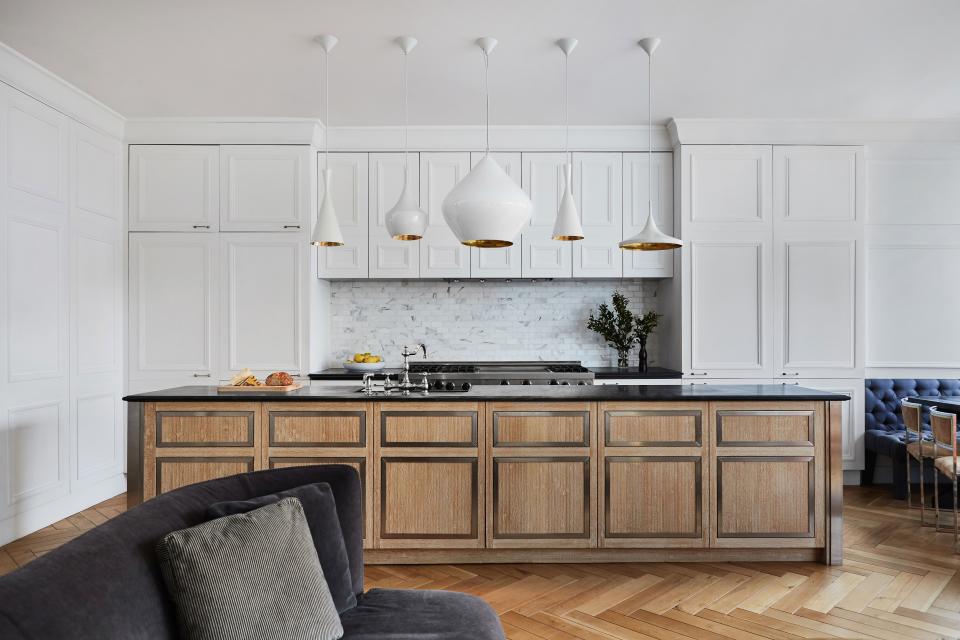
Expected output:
{"points": [[567, 225], [487, 209], [326, 233], [406, 220], [650, 238]]}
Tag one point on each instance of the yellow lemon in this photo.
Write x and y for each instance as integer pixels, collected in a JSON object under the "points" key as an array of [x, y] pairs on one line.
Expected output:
{"points": [[358, 357]]}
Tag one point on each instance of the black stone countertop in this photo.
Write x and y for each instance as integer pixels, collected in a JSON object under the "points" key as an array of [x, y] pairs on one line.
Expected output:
{"points": [[601, 373], [540, 393]]}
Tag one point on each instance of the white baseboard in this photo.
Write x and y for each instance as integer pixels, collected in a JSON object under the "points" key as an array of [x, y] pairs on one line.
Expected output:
{"points": [[21, 524], [851, 478]]}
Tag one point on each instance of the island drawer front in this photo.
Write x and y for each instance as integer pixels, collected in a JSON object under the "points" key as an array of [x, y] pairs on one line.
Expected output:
{"points": [[763, 426], [430, 428], [655, 427], [556, 425], [317, 428], [179, 426], [173, 473]]}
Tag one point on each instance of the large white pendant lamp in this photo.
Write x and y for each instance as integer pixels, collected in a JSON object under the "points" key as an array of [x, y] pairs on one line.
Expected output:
{"points": [[487, 209], [650, 238], [326, 233], [567, 226], [406, 220]]}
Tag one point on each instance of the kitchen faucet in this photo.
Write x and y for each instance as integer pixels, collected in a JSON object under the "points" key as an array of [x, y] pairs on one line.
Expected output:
{"points": [[405, 385]]}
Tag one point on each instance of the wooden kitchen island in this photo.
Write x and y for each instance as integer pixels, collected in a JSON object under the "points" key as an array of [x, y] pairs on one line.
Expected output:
{"points": [[531, 474]]}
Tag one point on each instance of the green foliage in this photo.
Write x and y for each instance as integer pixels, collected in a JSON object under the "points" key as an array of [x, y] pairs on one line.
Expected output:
{"points": [[645, 325], [620, 327]]}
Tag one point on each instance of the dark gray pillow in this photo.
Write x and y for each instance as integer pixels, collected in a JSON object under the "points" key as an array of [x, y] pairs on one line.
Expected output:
{"points": [[321, 511], [254, 575]]}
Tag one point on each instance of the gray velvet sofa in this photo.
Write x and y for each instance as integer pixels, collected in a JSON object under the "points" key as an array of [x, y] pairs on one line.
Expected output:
{"points": [[107, 584]]}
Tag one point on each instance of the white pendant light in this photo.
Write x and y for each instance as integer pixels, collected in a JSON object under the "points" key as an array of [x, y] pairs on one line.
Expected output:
{"points": [[567, 225], [650, 238], [487, 209], [326, 233], [406, 220]]}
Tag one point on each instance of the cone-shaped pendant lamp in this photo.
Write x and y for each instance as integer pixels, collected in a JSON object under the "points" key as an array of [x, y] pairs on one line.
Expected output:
{"points": [[567, 225], [406, 220], [487, 209], [326, 233], [650, 238]]}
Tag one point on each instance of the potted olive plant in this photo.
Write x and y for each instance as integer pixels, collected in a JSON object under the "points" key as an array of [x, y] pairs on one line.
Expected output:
{"points": [[621, 328]]}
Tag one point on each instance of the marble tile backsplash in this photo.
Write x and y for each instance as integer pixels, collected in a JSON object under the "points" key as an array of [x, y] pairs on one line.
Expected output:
{"points": [[472, 320]]}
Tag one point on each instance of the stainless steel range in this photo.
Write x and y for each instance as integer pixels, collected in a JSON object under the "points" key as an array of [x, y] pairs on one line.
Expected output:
{"points": [[454, 375]]}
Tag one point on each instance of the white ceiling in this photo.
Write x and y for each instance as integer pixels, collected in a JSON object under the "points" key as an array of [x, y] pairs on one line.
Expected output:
{"points": [[857, 59]]}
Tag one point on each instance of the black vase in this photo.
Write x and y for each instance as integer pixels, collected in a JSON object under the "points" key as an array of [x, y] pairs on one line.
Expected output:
{"points": [[643, 356]]}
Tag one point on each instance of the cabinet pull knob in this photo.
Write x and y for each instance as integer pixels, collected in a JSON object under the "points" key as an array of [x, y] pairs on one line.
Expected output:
{"points": [[201, 226], [291, 226], [697, 374], [201, 375], [796, 373]]}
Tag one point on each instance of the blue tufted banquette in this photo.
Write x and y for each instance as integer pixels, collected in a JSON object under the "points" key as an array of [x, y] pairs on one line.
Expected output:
{"points": [[884, 433]]}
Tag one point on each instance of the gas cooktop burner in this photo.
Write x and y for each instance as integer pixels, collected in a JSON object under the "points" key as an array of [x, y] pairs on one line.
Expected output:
{"points": [[567, 368], [442, 368], [453, 375]]}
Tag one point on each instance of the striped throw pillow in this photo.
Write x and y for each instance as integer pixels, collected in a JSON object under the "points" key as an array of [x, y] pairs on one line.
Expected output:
{"points": [[253, 575]]}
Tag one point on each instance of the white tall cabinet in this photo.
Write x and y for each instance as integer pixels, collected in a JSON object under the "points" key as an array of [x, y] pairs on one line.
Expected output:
{"points": [[61, 306], [391, 258], [543, 257], [598, 192], [441, 254], [348, 186]]}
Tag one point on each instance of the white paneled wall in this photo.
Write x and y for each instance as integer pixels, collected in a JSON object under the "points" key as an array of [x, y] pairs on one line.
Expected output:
{"points": [[472, 320], [61, 315]]}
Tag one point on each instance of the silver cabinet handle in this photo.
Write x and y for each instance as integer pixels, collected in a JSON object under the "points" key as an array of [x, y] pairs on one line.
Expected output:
{"points": [[291, 226], [201, 375], [696, 374], [201, 226], [790, 374]]}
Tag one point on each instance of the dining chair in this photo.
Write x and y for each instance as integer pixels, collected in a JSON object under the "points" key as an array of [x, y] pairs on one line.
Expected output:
{"points": [[918, 449], [944, 428]]}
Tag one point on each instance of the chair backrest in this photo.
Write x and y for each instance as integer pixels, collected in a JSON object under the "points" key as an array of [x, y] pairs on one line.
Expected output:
{"points": [[912, 416], [944, 428]]}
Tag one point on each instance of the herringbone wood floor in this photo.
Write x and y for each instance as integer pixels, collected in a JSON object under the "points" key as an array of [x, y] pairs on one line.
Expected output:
{"points": [[897, 581]]}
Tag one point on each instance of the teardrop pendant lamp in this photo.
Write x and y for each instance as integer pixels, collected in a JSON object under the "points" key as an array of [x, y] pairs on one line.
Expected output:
{"points": [[567, 226], [406, 220], [650, 238], [326, 233], [487, 209]]}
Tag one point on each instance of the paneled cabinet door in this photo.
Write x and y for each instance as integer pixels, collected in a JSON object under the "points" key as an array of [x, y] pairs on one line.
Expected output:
{"points": [[852, 416], [441, 254], [769, 483], [542, 256], [174, 187], [647, 264], [542, 491], [654, 475], [818, 184], [263, 302], [498, 263], [391, 258], [173, 308], [350, 198], [727, 311], [430, 481], [820, 297], [598, 192], [725, 184], [265, 187]]}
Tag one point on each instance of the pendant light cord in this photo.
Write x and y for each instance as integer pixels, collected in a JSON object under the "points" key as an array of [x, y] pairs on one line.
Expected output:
{"points": [[326, 110], [486, 90], [406, 120], [650, 133]]}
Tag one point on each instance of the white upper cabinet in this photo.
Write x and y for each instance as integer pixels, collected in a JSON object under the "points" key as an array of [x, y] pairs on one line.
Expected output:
{"points": [[505, 262], [390, 258], [819, 285], [173, 308], [542, 256], [441, 254], [265, 187], [647, 264], [818, 184], [598, 192], [174, 187], [263, 302], [727, 306], [349, 187], [36, 154], [724, 185]]}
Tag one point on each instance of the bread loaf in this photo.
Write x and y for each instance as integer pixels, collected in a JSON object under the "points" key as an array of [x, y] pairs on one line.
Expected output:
{"points": [[279, 379]]}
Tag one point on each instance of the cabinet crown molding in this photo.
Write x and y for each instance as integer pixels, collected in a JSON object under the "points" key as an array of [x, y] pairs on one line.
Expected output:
{"points": [[809, 131]]}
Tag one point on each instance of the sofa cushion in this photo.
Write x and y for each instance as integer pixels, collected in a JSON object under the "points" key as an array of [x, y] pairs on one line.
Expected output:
{"points": [[321, 511], [402, 614], [250, 575], [882, 399]]}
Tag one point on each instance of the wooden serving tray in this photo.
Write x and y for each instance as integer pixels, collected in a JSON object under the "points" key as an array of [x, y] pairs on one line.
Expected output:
{"points": [[259, 389]]}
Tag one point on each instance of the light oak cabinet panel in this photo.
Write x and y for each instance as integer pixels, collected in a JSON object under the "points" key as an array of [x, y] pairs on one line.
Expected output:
{"points": [[505, 262], [598, 192], [542, 256], [176, 472], [390, 258], [265, 187], [349, 178], [174, 187], [441, 254], [205, 429], [819, 184], [765, 497], [647, 264]]}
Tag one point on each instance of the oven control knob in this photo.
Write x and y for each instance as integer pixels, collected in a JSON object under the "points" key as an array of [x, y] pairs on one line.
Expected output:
{"points": [[581, 383], [504, 382], [527, 382], [438, 385], [451, 386], [554, 381], [466, 386]]}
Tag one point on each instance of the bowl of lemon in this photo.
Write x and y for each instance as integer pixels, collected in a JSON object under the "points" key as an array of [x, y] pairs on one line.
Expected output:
{"points": [[364, 362]]}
